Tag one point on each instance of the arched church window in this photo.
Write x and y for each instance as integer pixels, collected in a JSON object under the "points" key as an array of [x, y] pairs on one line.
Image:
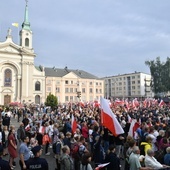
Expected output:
{"points": [[27, 42], [37, 86], [7, 78]]}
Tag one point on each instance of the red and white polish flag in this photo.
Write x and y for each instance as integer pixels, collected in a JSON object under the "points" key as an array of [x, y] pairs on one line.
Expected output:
{"points": [[73, 124], [108, 118]]}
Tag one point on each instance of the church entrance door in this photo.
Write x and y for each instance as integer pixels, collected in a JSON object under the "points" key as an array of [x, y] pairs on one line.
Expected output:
{"points": [[7, 99]]}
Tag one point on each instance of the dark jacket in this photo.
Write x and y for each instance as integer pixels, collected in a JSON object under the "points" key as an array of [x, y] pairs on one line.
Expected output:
{"points": [[4, 165], [37, 163], [114, 161], [98, 152]]}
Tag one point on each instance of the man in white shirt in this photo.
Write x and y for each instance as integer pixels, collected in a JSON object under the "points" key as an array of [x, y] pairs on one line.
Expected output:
{"points": [[151, 162]]}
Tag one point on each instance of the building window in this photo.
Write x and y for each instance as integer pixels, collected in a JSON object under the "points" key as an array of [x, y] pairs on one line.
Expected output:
{"points": [[75, 90], [72, 82], [71, 98], [66, 82], [133, 92], [133, 77], [133, 87], [66, 90], [96, 83], [66, 98], [133, 82], [27, 42], [91, 83], [37, 86], [57, 89], [83, 90], [71, 90], [96, 90], [100, 90], [138, 81], [91, 98], [120, 83], [90, 90], [7, 78]]}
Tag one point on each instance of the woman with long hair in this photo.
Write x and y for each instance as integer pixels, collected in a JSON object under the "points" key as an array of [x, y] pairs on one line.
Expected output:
{"points": [[85, 162], [12, 147]]}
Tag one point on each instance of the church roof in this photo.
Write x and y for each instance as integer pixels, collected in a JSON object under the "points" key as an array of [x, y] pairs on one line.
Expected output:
{"points": [[59, 72]]}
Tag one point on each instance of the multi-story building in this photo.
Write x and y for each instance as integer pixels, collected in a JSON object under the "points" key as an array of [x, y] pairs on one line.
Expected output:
{"points": [[66, 83], [22, 81], [132, 85]]}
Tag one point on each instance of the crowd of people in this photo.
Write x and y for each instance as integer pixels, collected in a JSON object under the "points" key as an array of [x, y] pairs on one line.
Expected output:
{"points": [[90, 145]]}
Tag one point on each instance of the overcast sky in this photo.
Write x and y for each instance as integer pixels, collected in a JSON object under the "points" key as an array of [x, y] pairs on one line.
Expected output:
{"points": [[102, 37]]}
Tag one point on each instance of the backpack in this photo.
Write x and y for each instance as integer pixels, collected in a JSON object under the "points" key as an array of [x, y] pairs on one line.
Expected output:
{"points": [[142, 149], [75, 151], [56, 147]]}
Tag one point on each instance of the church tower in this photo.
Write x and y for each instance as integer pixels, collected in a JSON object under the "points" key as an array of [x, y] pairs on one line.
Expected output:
{"points": [[26, 33]]}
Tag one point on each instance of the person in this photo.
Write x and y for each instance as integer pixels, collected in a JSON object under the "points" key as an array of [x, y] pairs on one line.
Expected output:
{"points": [[57, 149], [119, 140], [21, 132], [134, 160], [66, 161], [37, 162], [147, 145], [167, 157], [151, 162], [5, 133], [131, 144], [4, 165], [12, 147], [24, 153], [113, 159], [6, 120], [98, 151], [85, 162]]}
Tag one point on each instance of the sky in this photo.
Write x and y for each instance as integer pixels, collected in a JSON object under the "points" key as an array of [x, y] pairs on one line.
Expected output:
{"points": [[102, 37]]}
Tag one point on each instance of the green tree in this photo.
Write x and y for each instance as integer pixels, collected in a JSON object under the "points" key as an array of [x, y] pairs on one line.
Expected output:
{"points": [[51, 100], [160, 73]]}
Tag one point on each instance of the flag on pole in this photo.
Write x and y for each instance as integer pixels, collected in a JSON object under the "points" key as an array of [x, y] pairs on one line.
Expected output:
{"points": [[108, 118], [73, 124], [133, 127], [15, 24]]}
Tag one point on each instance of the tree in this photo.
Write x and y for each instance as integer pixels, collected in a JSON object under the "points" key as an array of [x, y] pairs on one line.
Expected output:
{"points": [[160, 73], [51, 100]]}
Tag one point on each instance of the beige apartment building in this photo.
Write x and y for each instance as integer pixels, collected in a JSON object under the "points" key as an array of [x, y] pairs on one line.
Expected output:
{"points": [[21, 81], [65, 83], [132, 85]]}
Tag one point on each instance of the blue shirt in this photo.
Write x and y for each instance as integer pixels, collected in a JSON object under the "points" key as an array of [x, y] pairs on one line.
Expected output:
{"points": [[167, 159], [23, 149]]}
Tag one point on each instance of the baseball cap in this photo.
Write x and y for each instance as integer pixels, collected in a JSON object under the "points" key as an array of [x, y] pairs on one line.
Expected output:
{"points": [[36, 149]]}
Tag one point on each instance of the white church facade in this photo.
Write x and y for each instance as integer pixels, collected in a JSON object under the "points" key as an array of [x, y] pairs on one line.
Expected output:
{"points": [[20, 80]]}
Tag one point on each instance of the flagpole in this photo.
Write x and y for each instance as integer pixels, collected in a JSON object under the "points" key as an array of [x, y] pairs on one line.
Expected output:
{"points": [[18, 35]]}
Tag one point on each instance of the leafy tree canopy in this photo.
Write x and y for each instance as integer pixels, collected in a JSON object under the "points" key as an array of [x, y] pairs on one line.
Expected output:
{"points": [[51, 100], [160, 72]]}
